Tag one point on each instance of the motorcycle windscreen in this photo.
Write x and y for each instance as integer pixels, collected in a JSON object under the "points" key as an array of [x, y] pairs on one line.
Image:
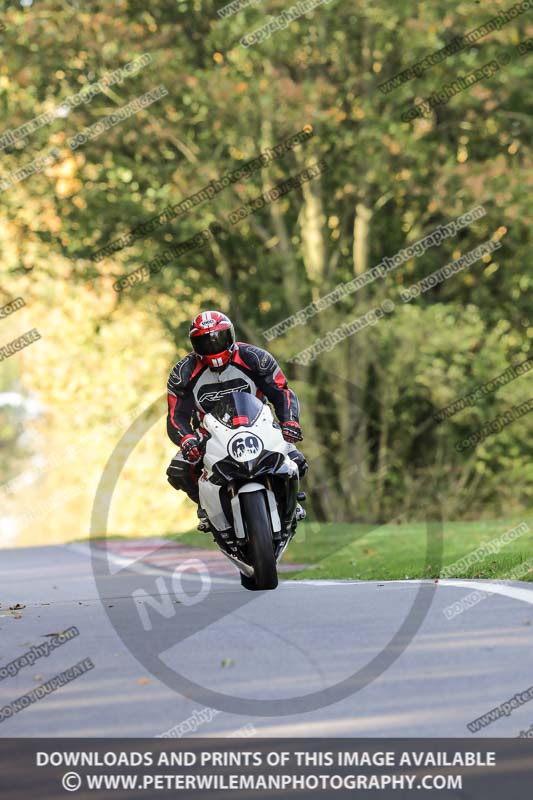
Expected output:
{"points": [[238, 408]]}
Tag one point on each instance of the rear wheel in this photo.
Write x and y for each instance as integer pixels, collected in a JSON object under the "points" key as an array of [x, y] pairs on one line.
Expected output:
{"points": [[260, 545]]}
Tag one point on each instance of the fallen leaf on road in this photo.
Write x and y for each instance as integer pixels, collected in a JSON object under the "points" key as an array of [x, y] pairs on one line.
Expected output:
{"points": [[227, 662], [143, 681]]}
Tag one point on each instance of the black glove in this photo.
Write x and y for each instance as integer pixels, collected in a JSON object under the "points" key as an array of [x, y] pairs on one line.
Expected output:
{"points": [[291, 431]]}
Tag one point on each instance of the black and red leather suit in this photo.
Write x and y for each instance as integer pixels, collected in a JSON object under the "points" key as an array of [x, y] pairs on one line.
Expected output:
{"points": [[193, 390]]}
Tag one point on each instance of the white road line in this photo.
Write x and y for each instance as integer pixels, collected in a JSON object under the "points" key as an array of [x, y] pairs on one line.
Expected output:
{"points": [[515, 592]]}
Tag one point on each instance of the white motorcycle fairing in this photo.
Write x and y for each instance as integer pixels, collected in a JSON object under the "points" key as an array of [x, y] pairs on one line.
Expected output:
{"points": [[241, 444]]}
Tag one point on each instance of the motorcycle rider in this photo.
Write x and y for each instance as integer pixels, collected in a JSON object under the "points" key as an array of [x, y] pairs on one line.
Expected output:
{"points": [[217, 366]]}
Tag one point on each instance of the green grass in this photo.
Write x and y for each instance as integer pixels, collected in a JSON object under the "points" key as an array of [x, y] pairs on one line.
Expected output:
{"points": [[391, 552]]}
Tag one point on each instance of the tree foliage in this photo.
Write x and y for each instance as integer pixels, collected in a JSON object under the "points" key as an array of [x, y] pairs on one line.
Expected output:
{"points": [[370, 401]]}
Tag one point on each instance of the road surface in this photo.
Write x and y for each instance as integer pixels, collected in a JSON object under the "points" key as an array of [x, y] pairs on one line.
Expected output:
{"points": [[304, 637]]}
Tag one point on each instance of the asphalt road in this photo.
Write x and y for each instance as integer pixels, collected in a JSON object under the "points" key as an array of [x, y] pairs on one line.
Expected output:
{"points": [[304, 637]]}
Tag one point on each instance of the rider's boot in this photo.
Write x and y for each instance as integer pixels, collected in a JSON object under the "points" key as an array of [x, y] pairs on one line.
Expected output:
{"points": [[203, 525], [300, 511]]}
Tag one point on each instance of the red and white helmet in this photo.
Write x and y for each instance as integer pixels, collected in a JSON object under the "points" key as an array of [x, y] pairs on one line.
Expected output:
{"points": [[212, 338]]}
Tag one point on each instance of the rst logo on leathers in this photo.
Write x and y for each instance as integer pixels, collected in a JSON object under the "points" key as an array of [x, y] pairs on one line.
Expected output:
{"points": [[207, 394], [244, 446]]}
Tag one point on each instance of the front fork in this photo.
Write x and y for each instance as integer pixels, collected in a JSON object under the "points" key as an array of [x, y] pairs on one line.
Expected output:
{"points": [[286, 496], [288, 499]]}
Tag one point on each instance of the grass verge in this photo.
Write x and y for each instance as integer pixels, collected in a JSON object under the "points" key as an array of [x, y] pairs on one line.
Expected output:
{"points": [[396, 551]]}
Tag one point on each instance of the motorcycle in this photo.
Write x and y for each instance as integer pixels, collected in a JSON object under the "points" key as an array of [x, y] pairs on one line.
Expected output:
{"points": [[249, 487]]}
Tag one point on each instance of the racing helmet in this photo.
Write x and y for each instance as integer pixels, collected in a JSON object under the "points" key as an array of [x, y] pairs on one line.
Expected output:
{"points": [[212, 338]]}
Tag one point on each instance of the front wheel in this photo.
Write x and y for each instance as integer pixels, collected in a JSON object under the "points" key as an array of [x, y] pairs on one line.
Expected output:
{"points": [[248, 583], [260, 544]]}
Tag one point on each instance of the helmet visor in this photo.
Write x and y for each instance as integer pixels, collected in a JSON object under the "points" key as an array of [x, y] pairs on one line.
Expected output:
{"points": [[211, 343]]}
